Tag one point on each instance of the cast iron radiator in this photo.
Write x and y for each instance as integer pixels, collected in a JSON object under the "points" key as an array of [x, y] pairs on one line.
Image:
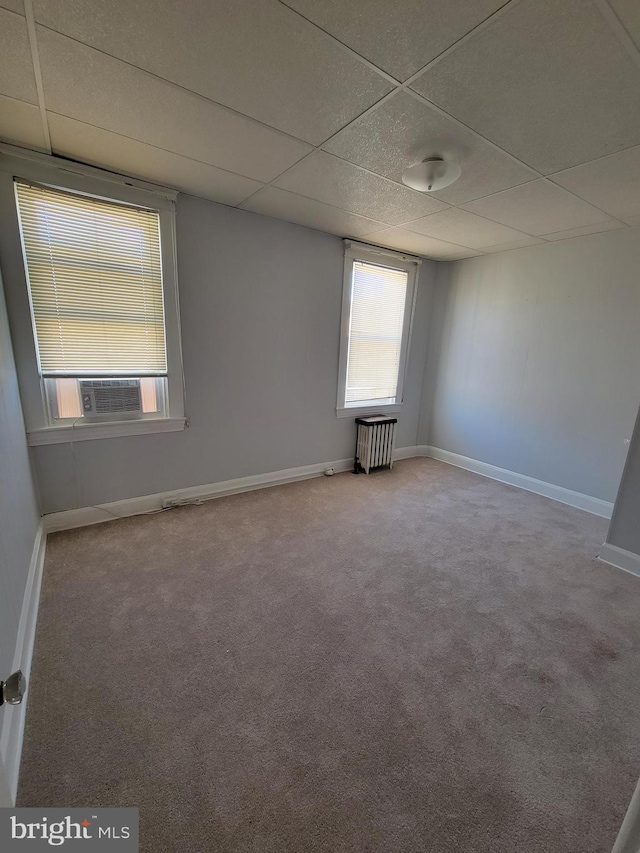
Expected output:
{"points": [[374, 443]]}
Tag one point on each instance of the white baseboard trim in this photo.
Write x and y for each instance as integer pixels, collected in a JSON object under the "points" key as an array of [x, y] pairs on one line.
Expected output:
{"points": [[529, 484], [84, 516], [406, 452], [621, 559], [148, 503], [14, 715]]}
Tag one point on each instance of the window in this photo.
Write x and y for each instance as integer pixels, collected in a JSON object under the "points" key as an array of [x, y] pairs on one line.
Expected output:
{"points": [[377, 309], [99, 263]]}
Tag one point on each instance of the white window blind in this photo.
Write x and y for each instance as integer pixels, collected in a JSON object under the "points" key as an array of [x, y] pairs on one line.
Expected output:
{"points": [[378, 296], [95, 278]]}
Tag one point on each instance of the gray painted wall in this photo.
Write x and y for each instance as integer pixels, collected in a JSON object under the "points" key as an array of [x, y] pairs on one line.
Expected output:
{"points": [[526, 360], [437, 312], [260, 301], [537, 369], [19, 514], [624, 531]]}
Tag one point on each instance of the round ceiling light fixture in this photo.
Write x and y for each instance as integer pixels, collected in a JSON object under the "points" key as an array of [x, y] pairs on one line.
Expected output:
{"points": [[432, 174]]}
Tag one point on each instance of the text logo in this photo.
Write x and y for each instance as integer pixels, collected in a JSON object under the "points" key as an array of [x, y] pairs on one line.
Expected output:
{"points": [[70, 829]]}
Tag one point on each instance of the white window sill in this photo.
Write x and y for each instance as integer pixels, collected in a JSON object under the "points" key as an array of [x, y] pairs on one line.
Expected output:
{"points": [[87, 432], [358, 412]]}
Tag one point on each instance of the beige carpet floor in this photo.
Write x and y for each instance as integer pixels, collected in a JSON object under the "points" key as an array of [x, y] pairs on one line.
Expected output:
{"points": [[418, 660]]}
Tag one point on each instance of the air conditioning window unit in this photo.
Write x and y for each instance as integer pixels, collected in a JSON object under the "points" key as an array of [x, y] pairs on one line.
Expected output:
{"points": [[101, 397]]}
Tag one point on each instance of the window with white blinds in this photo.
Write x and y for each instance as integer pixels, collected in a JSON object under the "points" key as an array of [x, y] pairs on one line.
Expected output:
{"points": [[378, 296], [378, 301], [95, 279]]}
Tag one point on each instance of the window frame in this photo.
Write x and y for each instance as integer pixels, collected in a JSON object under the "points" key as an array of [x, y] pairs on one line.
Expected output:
{"points": [[16, 164], [371, 254]]}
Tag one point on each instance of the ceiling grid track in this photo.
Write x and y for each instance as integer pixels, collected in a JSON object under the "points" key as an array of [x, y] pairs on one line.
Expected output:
{"points": [[35, 59], [610, 16], [169, 83], [301, 184], [399, 87]]}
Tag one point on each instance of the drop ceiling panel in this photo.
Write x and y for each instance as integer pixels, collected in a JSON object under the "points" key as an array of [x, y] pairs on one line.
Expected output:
{"points": [[585, 230], [628, 11], [21, 124], [418, 244], [399, 37], [547, 81], [272, 201], [334, 181], [467, 229], [87, 85], [612, 183], [404, 130], [16, 71], [259, 58], [514, 244], [537, 208], [70, 138]]}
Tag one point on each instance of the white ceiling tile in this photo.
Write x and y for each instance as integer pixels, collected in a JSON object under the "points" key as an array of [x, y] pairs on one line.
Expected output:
{"points": [[466, 229], [404, 130], [260, 59], [418, 244], [70, 138], [537, 208], [582, 232], [16, 69], [20, 124], [399, 37], [14, 5], [334, 181], [547, 81], [281, 204], [87, 85], [629, 13], [514, 244], [611, 183]]}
